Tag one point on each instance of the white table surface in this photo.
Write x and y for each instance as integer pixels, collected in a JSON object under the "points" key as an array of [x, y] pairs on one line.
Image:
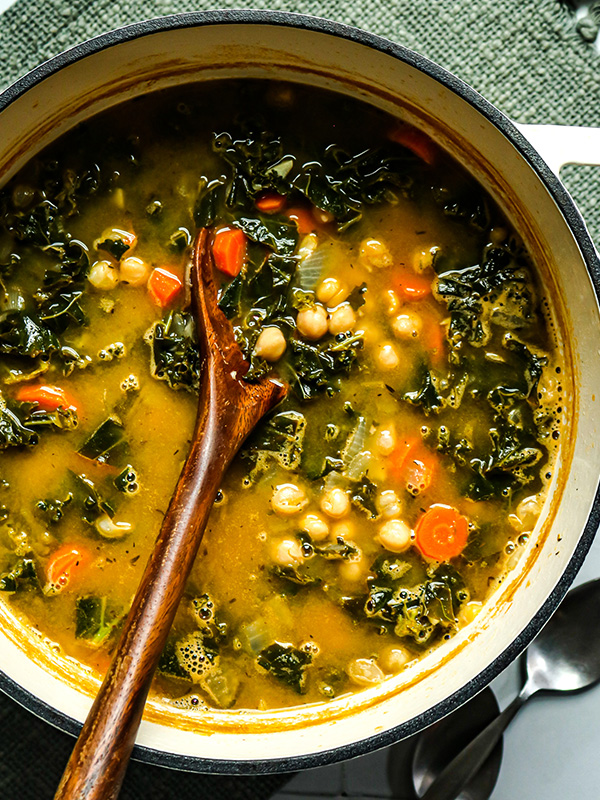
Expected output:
{"points": [[551, 751]]}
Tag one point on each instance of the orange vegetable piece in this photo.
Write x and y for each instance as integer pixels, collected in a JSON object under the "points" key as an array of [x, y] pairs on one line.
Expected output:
{"points": [[229, 250], [303, 218], [434, 340], [416, 141], [412, 286], [65, 563], [48, 398], [414, 465], [441, 533], [270, 202], [163, 286]]}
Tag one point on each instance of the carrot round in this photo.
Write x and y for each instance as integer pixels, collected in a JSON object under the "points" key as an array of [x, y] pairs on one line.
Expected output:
{"points": [[163, 286], [416, 141], [65, 563], [441, 533], [412, 286], [229, 250], [303, 218], [48, 398], [270, 202], [414, 465]]}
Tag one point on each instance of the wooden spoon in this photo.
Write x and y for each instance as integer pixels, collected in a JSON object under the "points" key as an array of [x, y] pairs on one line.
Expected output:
{"points": [[228, 410]]}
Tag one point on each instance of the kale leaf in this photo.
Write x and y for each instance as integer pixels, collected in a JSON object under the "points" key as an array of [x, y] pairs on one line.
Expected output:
{"points": [[418, 611], [287, 664], [174, 355], [13, 433], [96, 619], [22, 576], [279, 440]]}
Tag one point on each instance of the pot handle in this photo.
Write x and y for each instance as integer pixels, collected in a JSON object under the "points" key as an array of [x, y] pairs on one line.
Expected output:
{"points": [[564, 144]]}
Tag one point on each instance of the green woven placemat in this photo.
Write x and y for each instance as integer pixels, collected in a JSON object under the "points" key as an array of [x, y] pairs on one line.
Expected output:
{"points": [[526, 56]]}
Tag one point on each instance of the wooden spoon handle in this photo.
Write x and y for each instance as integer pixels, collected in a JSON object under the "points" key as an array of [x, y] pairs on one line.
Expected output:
{"points": [[99, 760]]}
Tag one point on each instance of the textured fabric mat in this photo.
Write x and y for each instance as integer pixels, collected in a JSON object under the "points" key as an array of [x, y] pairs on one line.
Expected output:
{"points": [[529, 57]]}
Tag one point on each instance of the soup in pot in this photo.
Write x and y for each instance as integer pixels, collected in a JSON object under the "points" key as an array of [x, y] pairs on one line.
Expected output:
{"points": [[368, 517]]}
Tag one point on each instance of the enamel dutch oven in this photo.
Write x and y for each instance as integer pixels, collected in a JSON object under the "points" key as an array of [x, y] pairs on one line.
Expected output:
{"points": [[187, 48]]}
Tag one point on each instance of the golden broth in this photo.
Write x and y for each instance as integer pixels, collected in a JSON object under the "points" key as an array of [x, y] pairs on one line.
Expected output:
{"points": [[328, 601]]}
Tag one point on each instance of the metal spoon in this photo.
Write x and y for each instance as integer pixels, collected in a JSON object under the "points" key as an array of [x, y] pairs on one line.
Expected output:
{"points": [[565, 657]]}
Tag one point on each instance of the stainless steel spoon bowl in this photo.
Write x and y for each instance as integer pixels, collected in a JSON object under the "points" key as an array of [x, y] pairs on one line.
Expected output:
{"points": [[565, 657]]}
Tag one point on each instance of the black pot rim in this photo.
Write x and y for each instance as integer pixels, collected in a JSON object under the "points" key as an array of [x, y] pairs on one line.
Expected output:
{"points": [[573, 218]]}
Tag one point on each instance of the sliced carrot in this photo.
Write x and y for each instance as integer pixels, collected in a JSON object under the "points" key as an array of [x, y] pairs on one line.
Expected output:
{"points": [[163, 286], [229, 250], [48, 398], [64, 565], [412, 286], [441, 532], [434, 339], [416, 141], [413, 465], [303, 218], [270, 202]]}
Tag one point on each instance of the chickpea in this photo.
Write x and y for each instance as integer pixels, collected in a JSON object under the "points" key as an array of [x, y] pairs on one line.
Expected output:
{"points": [[387, 356], [424, 260], [388, 504], [308, 245], [353, 571], [335, 503], [498, 235], [394, 658], [328, 289], [374, 253], [344, 530], [469, 611], [287, 553], [315, 526], [365, 672], [385, 440], [342, 319], [270, 344], [288, 499], [126, 238], [322, 217], [395, 535], [407, 325], [312, 322], [103, 276], [391, 301], [133, 271]]}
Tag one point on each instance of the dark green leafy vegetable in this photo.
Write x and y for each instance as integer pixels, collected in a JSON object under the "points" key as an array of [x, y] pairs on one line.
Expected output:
{"points": [[13, 432], [315, 367], [174, 355], [23, 334], [22, 576], [338, 550], [279, 440], [286, 664], [363, 494], [127, 481], [53, 510], [105, 441], [281, 237], [96, 619], [415, 611]]}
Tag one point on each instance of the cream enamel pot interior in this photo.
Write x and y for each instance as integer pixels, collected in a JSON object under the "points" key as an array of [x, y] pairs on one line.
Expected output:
{"points": [[152, 55]]}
